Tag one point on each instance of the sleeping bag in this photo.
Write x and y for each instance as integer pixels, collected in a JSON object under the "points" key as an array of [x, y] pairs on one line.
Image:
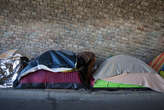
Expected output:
{"points": [[51, 80], [57, 69], [54, 61]]}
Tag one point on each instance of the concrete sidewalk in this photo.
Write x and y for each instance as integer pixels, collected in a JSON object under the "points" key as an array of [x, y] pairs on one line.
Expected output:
{"points": [[52, 99]]}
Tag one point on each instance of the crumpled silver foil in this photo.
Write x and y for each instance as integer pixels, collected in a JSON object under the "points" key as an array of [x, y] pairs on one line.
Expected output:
{"points": [[10, 63]]}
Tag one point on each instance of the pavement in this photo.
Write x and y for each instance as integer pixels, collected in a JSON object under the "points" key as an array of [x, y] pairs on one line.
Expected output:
{"points": [[54, 99]]}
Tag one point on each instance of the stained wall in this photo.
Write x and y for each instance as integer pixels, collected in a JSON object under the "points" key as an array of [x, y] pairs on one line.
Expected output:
{"points": [[106, 27]]}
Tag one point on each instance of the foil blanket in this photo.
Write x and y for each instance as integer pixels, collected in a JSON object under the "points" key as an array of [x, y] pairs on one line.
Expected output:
{"points": [[10, 65]]}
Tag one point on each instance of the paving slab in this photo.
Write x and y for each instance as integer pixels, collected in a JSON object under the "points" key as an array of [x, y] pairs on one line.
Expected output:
{"points": [[61, 99]]}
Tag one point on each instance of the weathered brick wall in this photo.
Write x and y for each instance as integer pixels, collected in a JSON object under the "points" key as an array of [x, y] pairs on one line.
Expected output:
{"points": [[106, 27]]}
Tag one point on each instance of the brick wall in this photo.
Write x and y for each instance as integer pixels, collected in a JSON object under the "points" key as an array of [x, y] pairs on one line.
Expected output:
{"points": [[106, 27]]}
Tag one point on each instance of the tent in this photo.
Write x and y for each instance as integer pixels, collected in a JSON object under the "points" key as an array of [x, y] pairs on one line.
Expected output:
{"points": [[126, 71]]}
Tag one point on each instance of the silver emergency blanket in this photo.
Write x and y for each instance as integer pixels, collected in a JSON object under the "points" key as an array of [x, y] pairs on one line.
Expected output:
{"points": [[120, 64], [9, 67]]}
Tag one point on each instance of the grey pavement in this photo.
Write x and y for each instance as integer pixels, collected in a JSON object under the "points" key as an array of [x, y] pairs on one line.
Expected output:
{"points": [[52, 99]]}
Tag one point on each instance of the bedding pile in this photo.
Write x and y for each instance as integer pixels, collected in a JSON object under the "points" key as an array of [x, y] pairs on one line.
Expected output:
{"points": [[55, 69], [62, 69]]}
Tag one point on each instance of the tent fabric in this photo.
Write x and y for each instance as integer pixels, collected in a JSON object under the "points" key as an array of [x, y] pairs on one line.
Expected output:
{"points": [[119, 64], [52, 60], [51, 80], [150, 80], [162, 74], [109, 84], [158, 63]]}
